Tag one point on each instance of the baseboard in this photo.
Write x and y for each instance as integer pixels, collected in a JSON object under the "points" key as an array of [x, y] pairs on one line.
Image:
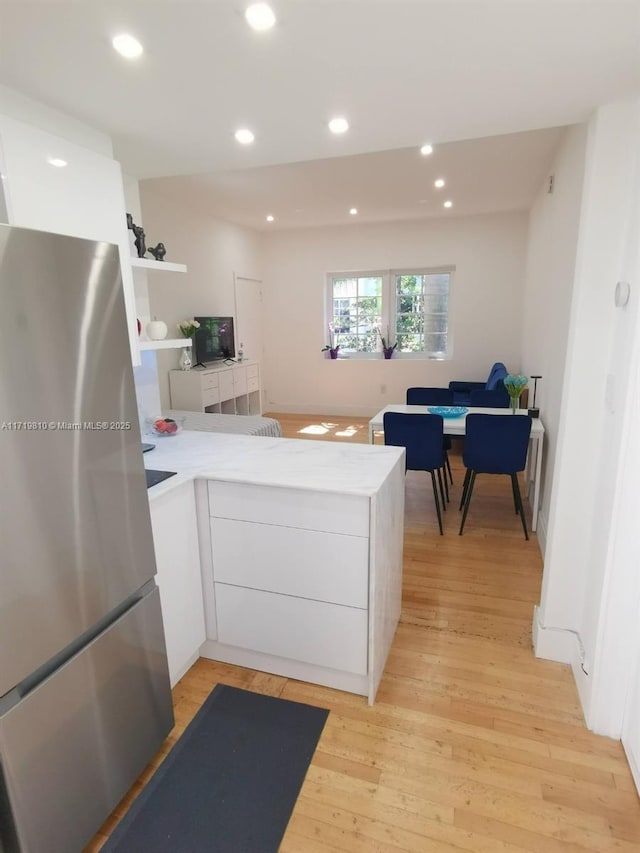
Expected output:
{"points": [[553, 643]]}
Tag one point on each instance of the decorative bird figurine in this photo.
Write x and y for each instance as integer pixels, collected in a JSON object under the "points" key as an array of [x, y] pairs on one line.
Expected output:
{"points": [[158, 251]]}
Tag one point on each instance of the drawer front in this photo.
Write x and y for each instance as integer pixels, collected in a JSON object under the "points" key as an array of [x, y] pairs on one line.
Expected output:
{"points": [[252, 371], [324, 511], [239, 383], [253, 384], [210, 380], [296, 628], [225, 381], [327, 567], [210, 396]]}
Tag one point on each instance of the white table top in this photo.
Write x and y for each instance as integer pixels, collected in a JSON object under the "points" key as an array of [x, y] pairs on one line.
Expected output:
{"points": [[452, 426]]}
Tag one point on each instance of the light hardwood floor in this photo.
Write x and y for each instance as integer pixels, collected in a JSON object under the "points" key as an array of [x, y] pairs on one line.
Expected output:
{"points": [[472, 743]]}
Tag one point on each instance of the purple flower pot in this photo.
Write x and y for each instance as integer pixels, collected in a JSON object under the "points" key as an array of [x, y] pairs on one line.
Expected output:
{"points": [[333, 353], [388, 352]]}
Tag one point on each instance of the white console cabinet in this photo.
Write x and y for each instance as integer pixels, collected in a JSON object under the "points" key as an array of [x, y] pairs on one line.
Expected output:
{"points": [[230, 389]]}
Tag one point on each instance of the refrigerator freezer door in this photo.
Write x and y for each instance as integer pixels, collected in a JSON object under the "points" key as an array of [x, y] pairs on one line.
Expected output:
{"points": [[75, 530], [71, 749]]}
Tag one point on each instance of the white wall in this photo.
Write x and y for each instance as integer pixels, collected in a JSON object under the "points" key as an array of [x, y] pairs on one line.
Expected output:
{"points": [[602, 340], [550, 268], [213, 251], [488, 253]]}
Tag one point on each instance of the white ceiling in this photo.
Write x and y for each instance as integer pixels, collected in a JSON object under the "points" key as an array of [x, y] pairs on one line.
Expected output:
{"points": [[402, 71]]}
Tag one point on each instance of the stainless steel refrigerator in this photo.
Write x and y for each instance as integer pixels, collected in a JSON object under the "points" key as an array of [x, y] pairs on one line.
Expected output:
{"points": [[85, 700]]}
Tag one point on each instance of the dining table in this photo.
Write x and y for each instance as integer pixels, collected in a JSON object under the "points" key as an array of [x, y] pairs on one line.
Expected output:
{"points": [[456, 426]]}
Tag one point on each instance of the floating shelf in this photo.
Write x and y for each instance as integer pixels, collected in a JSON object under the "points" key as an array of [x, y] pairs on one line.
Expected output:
{"points": [[167, 343], [165, 266]]}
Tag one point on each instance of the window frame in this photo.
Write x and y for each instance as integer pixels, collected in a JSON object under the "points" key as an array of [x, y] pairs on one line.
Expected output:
{"points": [[388, 307]]}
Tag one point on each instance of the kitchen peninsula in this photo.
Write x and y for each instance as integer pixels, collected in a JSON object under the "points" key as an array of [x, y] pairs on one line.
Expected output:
{"points": [[300, 554]]}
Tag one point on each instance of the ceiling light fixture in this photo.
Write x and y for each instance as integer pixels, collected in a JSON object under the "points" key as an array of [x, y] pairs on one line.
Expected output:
{"points": [[244, 136], [260, 16], [426, 150], [353, 211], [270, 218], [338, 125], [439, 183], [448, 204], [127, 46], [56, 161]]}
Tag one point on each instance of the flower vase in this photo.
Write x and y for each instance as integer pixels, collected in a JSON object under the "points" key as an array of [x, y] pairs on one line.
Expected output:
{"points": [[185, 359], [333, 353], [388, 352], [514, 404]]}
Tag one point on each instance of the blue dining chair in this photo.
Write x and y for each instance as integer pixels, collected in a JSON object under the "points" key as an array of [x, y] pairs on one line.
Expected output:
{"points": [[498, 399], [495, 444], [421, 436], [434, 397]]}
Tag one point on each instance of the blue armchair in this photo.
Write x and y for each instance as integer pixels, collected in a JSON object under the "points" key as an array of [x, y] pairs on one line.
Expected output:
{"points": [[495, 382]]}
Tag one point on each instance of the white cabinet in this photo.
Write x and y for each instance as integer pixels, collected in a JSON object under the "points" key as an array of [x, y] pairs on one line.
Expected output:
{"points": [[84, 198], [303, 582], [228, 389], [175, 538]]}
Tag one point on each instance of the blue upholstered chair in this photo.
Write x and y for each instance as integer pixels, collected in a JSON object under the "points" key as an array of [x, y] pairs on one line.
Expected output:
{"points": [[434, 397], [497, 399], [495, 444], [462, 390], [421, 436]]}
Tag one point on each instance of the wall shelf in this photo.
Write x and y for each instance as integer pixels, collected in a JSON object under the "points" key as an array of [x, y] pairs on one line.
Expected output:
{"points": [[165, 266], [167, 343]]}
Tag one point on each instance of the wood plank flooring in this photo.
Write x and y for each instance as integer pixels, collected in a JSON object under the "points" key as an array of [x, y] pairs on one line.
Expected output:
{"points": [[472, 744]]}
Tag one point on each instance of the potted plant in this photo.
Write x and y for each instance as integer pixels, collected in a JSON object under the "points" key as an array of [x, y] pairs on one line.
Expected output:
{"points": [[187, 328], [332, 348], [387, 349]]}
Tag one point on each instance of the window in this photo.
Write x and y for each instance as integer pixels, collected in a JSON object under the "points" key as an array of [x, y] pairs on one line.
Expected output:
{"points": [[407, 306]]}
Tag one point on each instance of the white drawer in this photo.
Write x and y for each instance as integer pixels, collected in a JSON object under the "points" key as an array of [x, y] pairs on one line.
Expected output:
{"points": [[327, 567], [252, 371], [297, 628], [253, 384], [210, 396], [225, 380], [210, 380], [325, 511], [239, 383]]}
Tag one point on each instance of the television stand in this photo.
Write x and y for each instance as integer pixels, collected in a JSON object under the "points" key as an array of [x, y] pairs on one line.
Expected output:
{"points": [[225, 388]]}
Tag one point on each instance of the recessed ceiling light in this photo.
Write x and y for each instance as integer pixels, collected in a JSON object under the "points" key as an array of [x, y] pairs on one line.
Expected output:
{"points": [[353, 211], [270, 218], [426, 150], [260, 16], [439, 183], [244, 136], [127, 46], [56, 161], [338, 125], [448, 204]]}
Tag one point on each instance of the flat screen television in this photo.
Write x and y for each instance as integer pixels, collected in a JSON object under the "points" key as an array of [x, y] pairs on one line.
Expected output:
{"points": [[214, 340]]}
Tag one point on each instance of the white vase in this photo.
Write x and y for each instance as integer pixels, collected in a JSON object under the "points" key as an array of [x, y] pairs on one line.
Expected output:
{"points": [[157, 330], [185, 359]]}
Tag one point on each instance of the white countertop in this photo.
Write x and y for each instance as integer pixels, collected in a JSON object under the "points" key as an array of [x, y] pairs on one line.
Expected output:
{"points": [[357, 469]]}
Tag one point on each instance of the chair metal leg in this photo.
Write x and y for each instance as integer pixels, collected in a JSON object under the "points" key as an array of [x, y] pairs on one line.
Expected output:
{"points": [[443, 487], [516, 492], [448, 464], [513, 489], [435, 497], [467, 499], [465, 485], [446, 487]]}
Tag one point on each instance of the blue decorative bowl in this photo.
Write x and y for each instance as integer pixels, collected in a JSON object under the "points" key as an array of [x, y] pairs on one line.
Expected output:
{"points": [[448, 411]]}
